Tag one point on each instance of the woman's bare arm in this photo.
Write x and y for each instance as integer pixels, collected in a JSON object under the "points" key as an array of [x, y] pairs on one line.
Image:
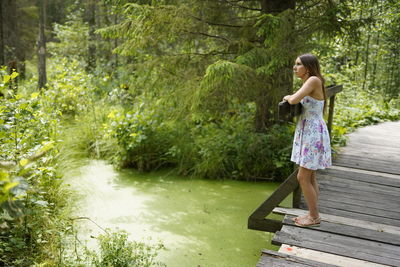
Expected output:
{"points": [[308, 87]]}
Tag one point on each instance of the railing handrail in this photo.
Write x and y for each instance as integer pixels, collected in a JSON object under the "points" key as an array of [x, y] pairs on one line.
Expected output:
{"points": [[287, 112]]}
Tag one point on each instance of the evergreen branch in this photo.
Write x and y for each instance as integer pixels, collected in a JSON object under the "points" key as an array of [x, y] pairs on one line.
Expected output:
{"points": [[234, 4], [212, 53], [209, 35], [219, 24]]}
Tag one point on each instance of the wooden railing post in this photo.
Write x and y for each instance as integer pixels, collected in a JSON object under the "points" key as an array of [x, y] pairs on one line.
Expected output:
{"points": [[296, 197], [330, 114]]}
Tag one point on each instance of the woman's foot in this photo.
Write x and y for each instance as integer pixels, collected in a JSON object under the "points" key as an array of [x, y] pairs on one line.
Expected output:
{"points": [[300, 217], [308, 221]]}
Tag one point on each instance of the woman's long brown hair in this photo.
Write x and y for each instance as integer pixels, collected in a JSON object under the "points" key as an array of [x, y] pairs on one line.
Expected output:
{"points": [[311, 63]]}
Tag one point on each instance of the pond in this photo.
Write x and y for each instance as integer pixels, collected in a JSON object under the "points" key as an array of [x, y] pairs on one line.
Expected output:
{"points": [[200, 222]]}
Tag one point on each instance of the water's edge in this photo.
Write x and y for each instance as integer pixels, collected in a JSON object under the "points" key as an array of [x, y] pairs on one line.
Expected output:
{"points": [[200, 222]]}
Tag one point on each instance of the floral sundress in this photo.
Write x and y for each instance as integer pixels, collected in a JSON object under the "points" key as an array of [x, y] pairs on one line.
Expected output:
{"points": [[311, 144]]}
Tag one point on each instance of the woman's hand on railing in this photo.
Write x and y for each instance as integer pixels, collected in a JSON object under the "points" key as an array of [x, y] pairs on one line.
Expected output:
{"points": [[286, 98]]}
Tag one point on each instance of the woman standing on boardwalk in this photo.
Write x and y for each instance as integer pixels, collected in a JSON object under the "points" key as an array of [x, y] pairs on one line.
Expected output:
{"points": [[311, 144]]}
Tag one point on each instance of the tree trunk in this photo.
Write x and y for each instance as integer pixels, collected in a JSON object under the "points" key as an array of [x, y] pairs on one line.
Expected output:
{"points": [[367, 54], [10, 33], [281, 82], [375, 60], [91, 15], [2, 62], [42, 45]]}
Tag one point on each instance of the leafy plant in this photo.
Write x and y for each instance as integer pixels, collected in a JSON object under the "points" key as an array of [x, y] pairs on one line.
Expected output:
{"points": [[117, 250]]}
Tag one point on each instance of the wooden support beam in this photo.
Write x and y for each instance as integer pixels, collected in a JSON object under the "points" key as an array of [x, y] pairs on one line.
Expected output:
{"points": [[257, 220]]}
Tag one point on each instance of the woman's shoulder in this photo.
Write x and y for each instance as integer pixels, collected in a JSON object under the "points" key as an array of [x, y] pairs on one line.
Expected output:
{"points": [[314, 80]]}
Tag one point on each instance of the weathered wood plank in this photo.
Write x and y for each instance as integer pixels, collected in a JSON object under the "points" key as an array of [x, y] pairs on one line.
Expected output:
{"points": [[359, 186], [326, 257], [386, 166], [337, 244], [354, 175], [333, 89], [395, 215], [354, 193], [343, 220], [354, 200], [273, 258], [359, 216], [352, 231], [373, 139]]}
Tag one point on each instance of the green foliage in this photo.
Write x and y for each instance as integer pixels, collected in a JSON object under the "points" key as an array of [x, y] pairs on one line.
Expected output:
{"points": [[142, 136], [229, 148], [72, 39], [225, 83], [31, 196], [70, 90], [117, 250]]}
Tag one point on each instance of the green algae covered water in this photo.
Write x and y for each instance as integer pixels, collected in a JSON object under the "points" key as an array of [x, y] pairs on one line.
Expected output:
{"points": [[200, 222]]}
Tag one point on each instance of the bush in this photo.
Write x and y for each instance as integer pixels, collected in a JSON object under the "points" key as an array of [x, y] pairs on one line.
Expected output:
{"points": [[230, 148], [117, 250], [143, 137]]}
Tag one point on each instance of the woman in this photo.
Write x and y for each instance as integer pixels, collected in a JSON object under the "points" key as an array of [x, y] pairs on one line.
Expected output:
{"points": [[311, 144]]}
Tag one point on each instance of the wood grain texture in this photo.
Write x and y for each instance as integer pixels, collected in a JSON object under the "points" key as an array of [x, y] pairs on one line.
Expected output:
{"points": [[325, 257], [273, 258], [338, 244], [359, 204]]}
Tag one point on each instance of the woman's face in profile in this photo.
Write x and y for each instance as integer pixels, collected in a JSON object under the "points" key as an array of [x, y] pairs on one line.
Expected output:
{"points": [[299, 69]]}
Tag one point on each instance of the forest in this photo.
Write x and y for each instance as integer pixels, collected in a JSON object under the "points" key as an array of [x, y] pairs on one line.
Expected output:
{"points": [[190, 86]]}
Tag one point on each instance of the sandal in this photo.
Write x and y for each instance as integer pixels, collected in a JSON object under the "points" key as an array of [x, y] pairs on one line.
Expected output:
{"points": [[299, 218], [308, 222]]}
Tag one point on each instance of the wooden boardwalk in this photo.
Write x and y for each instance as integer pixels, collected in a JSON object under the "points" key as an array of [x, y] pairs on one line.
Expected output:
{"points": [[359, 205]]}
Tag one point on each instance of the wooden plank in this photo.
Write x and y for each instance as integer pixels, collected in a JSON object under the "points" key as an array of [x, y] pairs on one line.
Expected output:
{"points": [[359, 186], [393, 215], [368, 164], [274, 258], [343, 220], [360, 208], [357, 160], [266, 225], [371, 151], [333, 89], [353, 231], [354, 193], [354, 175], [356, 214], [373, 140], [366, 246], [359, 216], [325, 257], [386, 175], [355, 200], [336, 244]]}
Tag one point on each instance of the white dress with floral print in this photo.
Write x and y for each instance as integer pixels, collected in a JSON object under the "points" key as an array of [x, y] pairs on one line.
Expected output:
{"points": [[311, 144]]}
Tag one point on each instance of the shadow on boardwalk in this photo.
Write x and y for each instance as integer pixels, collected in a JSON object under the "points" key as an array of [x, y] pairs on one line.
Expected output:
{"points": [[359, 205]]}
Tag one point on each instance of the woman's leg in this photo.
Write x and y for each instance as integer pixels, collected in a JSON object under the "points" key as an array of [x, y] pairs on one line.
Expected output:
{"points": [[305, 178], [315, 183]]}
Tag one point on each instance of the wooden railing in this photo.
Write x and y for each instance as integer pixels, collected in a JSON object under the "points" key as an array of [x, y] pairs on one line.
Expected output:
{"points": [[258, 220]]}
